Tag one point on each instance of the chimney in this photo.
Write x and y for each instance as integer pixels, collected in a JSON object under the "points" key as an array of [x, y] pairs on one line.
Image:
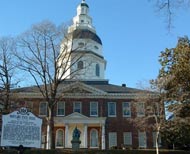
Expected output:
{"points": [[123, 85]]}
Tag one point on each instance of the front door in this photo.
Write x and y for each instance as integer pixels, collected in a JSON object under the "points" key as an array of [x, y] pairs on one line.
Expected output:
{"points": [[94, 138]]}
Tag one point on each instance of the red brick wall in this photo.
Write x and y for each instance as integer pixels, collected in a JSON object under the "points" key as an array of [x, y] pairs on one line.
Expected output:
{"points": [[117, 124]]}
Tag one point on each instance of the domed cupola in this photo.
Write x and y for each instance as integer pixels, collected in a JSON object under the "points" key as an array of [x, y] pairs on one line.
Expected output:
{"points": [[86, 34], [82, 20], [83, 8], [84, 41]]}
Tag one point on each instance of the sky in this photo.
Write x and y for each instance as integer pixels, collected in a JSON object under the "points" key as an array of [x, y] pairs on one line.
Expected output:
{"points": [[132, 32]]}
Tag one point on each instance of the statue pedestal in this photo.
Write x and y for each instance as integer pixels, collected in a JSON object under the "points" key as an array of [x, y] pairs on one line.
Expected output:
{"points": [[75, 144], [76, 141]]}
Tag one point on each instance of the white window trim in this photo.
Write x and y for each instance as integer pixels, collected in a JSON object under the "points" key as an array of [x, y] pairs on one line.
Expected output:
{"points": [[145, 145], [57, 108], [96, 109], [114, 111], [97, 70], [80, 106], [57, 137], [140, 115], [131, 142], [115, 135], [43, 141], [153, 140], [123, 108], [43, 115]]}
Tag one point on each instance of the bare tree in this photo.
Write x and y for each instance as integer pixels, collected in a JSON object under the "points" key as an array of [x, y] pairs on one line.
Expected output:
{"points": [[170, 8], [7, 71], [46, 53], [150, 110]]}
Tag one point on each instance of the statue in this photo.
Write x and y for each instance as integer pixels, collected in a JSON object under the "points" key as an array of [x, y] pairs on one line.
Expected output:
{"points": [[76, 134], [76, 141]]}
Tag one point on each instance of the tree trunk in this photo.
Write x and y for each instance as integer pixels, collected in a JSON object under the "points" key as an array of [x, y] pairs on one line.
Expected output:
{"points": [[157, 142], [50, 130]]}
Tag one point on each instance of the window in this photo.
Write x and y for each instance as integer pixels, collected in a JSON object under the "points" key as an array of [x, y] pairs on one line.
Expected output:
{"points": [[127, 138], [81, 44], [29, 106], [140, 109], [59, 138], [93, 108], [43, 140], [96, 47], [60, 108], [80, 65], [43, 109], [77, 107], [126, 109], [157, 108], [112, 139], [154, 139], [112, 109], [97, 70], [142, 139], [94, 138]]}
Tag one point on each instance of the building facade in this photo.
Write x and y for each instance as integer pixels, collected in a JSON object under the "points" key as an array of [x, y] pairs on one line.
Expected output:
{"points": [[104, 113]]}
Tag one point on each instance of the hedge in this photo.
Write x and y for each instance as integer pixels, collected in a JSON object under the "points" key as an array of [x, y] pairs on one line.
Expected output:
{"points": [[37, 151]]}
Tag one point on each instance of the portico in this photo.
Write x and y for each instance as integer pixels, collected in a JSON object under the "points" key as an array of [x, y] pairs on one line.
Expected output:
{"points": [[92, 130]]}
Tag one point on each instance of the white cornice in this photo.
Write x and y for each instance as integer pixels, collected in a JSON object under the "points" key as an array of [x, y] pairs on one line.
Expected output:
{"points": [[76, 118], [27, 95]]}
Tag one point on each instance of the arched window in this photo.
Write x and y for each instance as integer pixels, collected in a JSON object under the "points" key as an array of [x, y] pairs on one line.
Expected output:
{"points": [[81, 44], [94, 138], [59, 138], [97, 70], [80, 65], [83, 10]]}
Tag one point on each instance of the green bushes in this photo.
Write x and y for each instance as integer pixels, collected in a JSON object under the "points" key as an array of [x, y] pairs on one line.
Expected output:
{"points": [[114, 151]]}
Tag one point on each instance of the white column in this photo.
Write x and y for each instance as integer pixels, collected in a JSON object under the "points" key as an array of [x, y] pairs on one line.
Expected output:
{"points": [[85, 135], [48, 137], [103, 137], [66, 135]]}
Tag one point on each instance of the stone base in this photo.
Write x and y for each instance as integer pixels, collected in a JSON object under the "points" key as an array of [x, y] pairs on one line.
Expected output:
{"points": [[75, 145]]}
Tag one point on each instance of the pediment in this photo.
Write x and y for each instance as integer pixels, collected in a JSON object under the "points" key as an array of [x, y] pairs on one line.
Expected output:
{"points": [[81, 88], [76, 116], [77, 90]]}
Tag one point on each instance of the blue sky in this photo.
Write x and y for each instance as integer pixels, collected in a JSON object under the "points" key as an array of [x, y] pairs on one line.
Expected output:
{"points": [[132, 32]]}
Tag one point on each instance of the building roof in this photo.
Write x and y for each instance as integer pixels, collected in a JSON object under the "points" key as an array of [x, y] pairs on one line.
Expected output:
{"points": [[102, 85], [84, 4], [86, 34]]}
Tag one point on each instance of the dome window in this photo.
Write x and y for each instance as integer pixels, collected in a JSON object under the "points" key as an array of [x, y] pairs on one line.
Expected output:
{"points": [[83, 10], [96, 47], [97, 70], [80, 65], [81, 44]]}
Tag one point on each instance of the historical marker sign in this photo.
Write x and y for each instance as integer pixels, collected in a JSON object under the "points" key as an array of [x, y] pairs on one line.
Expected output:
{"points": [[21, 128]]}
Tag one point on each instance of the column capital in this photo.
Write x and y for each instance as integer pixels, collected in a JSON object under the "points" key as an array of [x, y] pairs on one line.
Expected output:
{"points": [[85, 124]]}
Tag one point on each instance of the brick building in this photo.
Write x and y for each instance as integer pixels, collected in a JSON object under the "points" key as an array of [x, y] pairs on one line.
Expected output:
{"points": [[103, 112]]}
